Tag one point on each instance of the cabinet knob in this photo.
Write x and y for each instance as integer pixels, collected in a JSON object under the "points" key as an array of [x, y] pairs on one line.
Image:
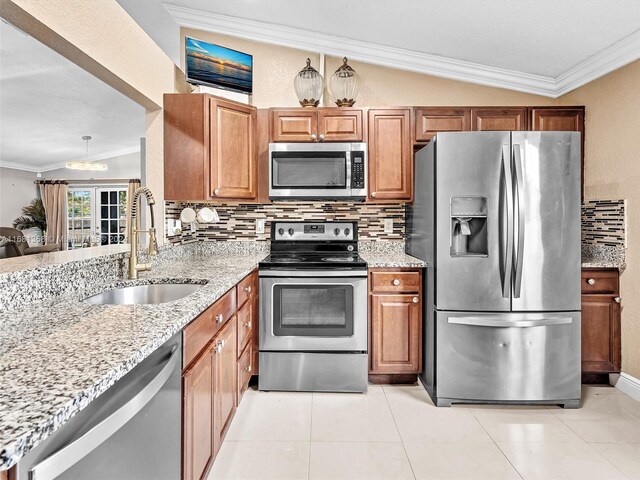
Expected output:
{"points": [[216, 192], [617, 299], [322, 137], [591, 281], [396, 282], [248, 368], [219, 318], [248, 324], [314, 137], [374, 194], [247, 289], [416, 299]]}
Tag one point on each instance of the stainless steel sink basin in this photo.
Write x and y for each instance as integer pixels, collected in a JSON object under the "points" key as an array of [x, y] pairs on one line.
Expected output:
{"points": [[143, 294]]}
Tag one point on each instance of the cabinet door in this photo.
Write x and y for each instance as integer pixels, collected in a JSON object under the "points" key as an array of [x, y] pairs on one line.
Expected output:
{"points": [[600, 334], [429, 121], [224, 381], [339, 125], [498, 119], [390, 155], [198, 451], [294, 125], [396, 336], [232, 168], [245, 370]]}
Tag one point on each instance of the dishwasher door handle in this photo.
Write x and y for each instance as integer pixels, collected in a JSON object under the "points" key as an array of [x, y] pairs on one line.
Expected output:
{"points": [[56, 464]]}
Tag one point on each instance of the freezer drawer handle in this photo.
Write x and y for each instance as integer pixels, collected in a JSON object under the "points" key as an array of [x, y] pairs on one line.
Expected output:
{"points": [[500, 322], [53, 466]]}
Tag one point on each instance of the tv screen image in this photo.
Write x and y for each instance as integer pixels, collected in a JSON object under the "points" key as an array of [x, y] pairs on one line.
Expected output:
{"points": [[210, 64]]}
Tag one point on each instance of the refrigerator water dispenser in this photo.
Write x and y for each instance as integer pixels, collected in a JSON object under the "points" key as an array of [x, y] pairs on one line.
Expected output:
{"points": [[469, 226]]}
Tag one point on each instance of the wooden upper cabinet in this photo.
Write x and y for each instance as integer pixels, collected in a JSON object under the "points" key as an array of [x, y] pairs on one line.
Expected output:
{"points": [[431, 120], [316, 125], [390, 155], [570, 119], [498, 119], [209, 148], [198, 435], [339, 125]]}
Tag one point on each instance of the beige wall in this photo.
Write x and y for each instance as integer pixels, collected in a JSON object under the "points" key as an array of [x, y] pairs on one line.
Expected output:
{"points": [[275, 68], [612, 171], [16, 190]]}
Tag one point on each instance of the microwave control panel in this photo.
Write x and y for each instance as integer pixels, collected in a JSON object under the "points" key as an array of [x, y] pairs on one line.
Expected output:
{"points": [[357, 170]]}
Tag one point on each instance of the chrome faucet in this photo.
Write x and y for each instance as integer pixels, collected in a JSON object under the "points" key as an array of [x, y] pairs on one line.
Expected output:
{"points": [[134, 266]]}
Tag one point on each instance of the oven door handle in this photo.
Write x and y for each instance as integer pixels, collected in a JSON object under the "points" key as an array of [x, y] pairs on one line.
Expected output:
{"points": [[65, 458]]}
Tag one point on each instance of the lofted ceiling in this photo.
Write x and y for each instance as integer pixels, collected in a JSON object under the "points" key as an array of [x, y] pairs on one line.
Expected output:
{"points": [[47, 103], [547, 47]]}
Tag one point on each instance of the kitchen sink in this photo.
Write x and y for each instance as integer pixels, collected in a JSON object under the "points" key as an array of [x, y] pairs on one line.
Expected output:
{"points": [[144, 294]]}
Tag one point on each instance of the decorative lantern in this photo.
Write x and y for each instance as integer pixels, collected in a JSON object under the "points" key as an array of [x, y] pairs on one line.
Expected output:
{"points": [[343, 85], [308, 84]]}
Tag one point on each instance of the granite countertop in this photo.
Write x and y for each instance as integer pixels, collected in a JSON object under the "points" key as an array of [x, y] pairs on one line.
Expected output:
{"points": [[58, 355], [392, 259], [603, 256]]}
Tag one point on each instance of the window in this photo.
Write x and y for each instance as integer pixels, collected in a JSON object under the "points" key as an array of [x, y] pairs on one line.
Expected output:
{"points": [[96, 216]]}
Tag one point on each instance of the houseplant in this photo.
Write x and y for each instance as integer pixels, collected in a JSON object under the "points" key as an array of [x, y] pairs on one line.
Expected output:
{"points": [[32, 218]]}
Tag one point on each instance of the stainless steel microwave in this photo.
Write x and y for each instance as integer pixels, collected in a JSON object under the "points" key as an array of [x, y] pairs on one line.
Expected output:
{"points": [[318, 171]]}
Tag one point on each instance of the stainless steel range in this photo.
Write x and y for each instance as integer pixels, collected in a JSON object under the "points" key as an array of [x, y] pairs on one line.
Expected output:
{"points": [[313, 309]]}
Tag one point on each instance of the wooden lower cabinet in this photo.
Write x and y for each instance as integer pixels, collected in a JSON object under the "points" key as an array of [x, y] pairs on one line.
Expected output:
{"points": [[224, 382], [395, 315]]}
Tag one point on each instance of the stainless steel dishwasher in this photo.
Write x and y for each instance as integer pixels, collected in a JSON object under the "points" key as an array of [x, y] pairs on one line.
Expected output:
{"points": [[130, 432]]}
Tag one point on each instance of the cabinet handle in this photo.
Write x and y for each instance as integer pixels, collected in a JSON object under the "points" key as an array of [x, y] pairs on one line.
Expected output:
{"points": [[216, 192], [247, 289], [219, 318], [248, 368], [396, 282], [591, 281], [248, 324], [218, 347], [374, 194], [416, 299], [314, 137], [322, 137], [617, 299]]}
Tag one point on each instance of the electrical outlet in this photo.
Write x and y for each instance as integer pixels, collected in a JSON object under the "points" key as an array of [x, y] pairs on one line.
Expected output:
{"points": [[193, 227], [388, 225], [259, 225]]}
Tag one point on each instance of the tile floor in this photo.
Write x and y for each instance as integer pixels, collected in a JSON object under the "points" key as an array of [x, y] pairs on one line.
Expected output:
{"points": [[395, 432]]}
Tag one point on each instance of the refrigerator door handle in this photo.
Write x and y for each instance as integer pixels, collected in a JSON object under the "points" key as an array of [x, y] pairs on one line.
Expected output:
{"points": [[517, 157], [508, 200], [500, 322]]}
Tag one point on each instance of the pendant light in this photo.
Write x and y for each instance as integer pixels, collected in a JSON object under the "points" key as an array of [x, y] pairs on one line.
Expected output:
{"points": [[308, 85], [343, 85], [86, 165]]}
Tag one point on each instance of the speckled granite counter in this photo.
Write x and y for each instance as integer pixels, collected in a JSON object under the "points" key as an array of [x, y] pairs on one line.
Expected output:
{"points": [[388, 253], [603, 256], [58, 355]]}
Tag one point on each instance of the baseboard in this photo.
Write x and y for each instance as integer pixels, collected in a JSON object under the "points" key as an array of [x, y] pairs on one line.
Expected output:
{"points": [[627, 384]]}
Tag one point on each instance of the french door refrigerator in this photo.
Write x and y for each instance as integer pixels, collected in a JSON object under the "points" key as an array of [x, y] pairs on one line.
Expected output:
{"points": [[496, 216]]}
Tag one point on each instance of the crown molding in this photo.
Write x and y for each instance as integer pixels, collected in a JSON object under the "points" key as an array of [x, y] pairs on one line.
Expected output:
{"points": [[54, 166], [362, 51], [604, 62]]}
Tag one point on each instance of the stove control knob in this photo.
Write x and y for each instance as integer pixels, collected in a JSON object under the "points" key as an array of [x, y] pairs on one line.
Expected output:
{"points": [[291, 232], [281, 231], [337, 231], [347, 231]]}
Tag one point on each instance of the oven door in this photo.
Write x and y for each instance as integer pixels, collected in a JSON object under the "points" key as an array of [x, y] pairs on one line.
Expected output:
{"points": [[320, 313]]}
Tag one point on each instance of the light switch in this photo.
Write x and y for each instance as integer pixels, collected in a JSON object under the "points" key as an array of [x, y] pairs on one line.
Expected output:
{"points": [[260, 225], [388, 225]]}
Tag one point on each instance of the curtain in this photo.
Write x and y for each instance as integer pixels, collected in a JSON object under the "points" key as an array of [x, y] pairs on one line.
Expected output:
{"points": [[54, 198], [134, 184]]}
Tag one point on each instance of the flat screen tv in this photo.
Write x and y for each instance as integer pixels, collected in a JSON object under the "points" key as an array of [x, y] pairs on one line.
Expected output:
{"points": [[216, 66]]}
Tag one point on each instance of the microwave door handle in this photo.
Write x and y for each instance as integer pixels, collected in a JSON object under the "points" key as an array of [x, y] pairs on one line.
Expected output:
{"points": [[348, 167]]}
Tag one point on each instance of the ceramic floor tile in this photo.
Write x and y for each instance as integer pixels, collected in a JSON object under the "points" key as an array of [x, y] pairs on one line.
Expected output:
{"points": [[261, 460], [524, 425], [624, 456], [558, 461], [418, 420], [459, 461], [353, 417], [276, 416], [622, 427], [601, 402], [358, 460]]}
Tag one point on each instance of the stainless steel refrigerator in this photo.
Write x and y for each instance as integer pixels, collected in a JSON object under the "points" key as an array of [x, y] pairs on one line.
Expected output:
{"points": [[497, 217]]}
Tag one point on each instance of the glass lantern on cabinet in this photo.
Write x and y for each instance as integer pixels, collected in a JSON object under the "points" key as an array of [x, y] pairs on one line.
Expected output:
{"points": [[308, 85], [343, 85]]}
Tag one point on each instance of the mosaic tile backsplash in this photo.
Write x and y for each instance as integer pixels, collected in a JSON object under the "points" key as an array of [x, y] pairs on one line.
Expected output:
{"points": [[238, 222], [603, 222]]}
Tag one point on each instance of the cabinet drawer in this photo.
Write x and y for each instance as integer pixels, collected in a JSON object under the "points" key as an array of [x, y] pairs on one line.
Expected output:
{"points": [[199, 333], [395, 281], [245, 326], [244, 370], [247, 288], [600, 281]]}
